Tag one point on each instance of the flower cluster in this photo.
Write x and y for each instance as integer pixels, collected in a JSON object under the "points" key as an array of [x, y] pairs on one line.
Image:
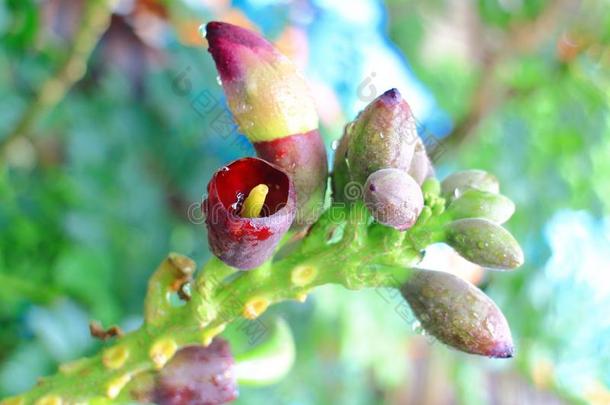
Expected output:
{"points": [[275, 240]]}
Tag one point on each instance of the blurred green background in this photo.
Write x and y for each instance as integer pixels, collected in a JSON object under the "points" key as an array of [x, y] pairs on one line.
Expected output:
{"points": [[109, 132]]}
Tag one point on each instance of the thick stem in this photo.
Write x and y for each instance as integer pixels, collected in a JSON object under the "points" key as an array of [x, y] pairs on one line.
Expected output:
{"points": [[343, 248]]}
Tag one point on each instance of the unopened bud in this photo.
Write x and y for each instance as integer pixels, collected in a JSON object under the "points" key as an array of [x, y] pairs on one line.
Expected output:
{"points": [[382, 136], [393, 198], [485, 243], [198, 375], [454, 185], [482, 204], [458, 314], [420, 164]]}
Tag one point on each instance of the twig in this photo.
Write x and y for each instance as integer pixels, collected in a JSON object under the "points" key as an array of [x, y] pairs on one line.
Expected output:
{"points": [[96, 17]]}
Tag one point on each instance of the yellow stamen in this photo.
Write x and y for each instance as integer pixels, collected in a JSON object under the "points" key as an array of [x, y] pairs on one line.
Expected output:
{"points": [[253, 205]]}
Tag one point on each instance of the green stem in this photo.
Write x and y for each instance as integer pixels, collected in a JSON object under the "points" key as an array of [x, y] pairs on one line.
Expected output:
{"points": [[343, 248]]}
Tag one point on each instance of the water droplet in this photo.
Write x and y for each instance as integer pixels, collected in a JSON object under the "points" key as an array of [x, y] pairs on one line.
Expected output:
{"points": [[381, 135], [218, 80], [246, 125], [202, 30], [242, 108], [334, 145], [489, 326]]}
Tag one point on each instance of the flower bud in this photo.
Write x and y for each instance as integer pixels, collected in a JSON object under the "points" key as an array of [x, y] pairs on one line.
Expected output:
{"points": [[198, 375], [454, 185], [458, 314], [303, 157], [242, 241], [274, 109], [341, 176], [382, 136], [266, 94], [421, 167], [485, 243], [393, 198], [482, 204]]}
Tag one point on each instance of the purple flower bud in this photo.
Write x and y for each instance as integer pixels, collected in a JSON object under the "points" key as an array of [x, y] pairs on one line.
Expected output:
{"points": [[458, 314], [393, 198], [382, 136], [198, 375], [421, 167], [239, 241]]}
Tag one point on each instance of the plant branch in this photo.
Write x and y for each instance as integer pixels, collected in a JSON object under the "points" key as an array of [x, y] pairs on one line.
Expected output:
{"points": [[359, 258], [96, 17]]}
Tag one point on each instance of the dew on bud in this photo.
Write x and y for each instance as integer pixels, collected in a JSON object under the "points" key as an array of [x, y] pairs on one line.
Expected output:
{"points": [[458, 314], [482, 204], [485, 243], [457, 183], [393, 198], [367, 151], [198, 375], [202, 30]]}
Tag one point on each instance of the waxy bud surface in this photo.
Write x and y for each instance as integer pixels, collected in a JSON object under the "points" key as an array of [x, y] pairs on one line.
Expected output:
{"points": [[485, 243], [393, 198], [475, 203], [383, 136], [198, 375], [273, 106], [455, 184], [458, 314], [239, 241]]}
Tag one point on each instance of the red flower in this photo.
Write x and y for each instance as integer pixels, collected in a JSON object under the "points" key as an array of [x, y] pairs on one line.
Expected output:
{"points": [[238, 240]]}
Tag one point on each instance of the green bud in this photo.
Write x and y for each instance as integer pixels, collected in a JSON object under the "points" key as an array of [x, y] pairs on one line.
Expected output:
{"points": [[382, 136], [482, 204], [485, 243], [454, 185], [458, 314]]}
